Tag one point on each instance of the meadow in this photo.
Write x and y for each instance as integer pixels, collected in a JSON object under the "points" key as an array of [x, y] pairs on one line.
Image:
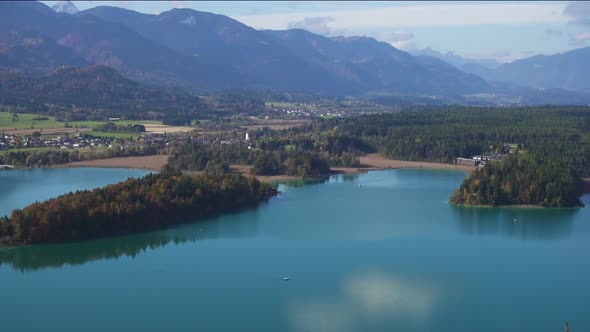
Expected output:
{"points": [[28, 121], [36, 121]]}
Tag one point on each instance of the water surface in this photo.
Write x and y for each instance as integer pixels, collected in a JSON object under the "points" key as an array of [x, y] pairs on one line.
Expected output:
{"points": [[381, 251]]}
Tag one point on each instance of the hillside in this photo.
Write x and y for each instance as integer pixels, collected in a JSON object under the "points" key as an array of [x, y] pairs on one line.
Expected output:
{"points": [[96, 91], [567, 71], [193, 49]]}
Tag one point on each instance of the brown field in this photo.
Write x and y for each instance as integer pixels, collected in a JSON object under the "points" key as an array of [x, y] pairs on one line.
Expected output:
{"points": [[149, 128], [277, 124], [154, 163], [45, 131], [374, 161], [245, 170], [370, 162]]}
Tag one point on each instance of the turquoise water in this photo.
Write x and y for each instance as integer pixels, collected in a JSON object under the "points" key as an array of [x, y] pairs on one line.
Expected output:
{"points": [[381, 251]]}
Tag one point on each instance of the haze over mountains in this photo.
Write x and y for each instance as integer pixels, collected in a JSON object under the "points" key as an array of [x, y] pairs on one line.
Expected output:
{"points": [[205, 50], [199, 50], [568, 70]]}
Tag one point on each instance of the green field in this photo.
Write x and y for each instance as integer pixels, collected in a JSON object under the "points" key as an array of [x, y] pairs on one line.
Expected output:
{"points": [[113, 135], [280, 104], [25, 121], [92, 124]]}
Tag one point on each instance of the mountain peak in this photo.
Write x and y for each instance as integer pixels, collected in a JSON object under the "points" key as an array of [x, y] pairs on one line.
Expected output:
{"points": [[65, 7]]}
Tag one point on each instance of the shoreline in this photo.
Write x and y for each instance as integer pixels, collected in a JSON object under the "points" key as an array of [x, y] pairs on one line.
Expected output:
{"points": [[370, 162], [514, 206]]}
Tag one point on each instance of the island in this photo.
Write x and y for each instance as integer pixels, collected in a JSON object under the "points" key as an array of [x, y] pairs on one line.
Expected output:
{"points": [[154, 201]]}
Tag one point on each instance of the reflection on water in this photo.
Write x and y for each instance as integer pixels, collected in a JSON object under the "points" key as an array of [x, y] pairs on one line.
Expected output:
{"points": [[35, 257], [523, 223], [346, 177], [21, 187], [368, 298], [381, 251], [302, 182]]}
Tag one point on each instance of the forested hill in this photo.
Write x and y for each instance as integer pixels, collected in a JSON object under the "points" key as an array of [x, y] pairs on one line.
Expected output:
{"points": [[96, 91], [136, 205], [554, 145], [525, 179], [199, 50]]}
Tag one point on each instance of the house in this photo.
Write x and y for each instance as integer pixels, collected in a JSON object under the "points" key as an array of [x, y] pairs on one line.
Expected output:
{"points": [[157, 136], [467, 161]]}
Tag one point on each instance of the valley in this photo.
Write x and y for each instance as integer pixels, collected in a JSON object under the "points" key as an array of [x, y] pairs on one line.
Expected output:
{"points": [[294, 166]]}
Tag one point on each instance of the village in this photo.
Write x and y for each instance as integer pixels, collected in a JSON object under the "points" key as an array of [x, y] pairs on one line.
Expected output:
{"points": [[84, 141]]}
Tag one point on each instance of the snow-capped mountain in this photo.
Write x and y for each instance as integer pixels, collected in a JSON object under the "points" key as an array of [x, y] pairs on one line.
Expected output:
{"points": [[65, 7]]}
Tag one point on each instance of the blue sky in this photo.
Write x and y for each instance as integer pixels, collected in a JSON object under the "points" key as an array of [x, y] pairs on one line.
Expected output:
{"points": [[500, 30]]}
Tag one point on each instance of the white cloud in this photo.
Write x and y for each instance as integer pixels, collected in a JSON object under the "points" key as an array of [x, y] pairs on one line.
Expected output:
{"points": [[380, 294], [399, 39], [405, 45], [177, 4], [189, 20], [510, 57], [317, 25], [578, 11], [367, 296], [582, 37], [396, 36], [423, 15]]}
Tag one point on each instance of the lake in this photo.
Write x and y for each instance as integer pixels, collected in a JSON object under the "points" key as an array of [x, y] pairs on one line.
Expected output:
{"points": [[381, 251]]}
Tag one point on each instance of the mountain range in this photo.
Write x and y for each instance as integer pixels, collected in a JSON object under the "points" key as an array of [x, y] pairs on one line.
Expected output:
{"points": [[200, 51], [184, 47], [568, 70]]}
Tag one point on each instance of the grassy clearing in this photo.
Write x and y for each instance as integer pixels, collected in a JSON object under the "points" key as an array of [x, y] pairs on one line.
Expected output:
{"points": [[280, 104], [25, 121], [113, 135]]}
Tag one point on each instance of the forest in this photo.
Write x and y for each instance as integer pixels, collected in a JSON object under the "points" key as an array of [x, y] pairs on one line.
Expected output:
{"points": [[92, 93], [553, 148], [550, 140], [135, 205], [276, 152], [48, 157], [524, 179]]}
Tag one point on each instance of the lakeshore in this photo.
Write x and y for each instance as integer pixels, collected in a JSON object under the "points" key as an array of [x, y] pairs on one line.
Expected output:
{"points": [[370, 162], [151, 163], [368, 222]]}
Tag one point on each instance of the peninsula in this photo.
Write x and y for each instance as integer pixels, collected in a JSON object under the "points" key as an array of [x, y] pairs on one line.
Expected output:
{"points": [[135, 205]]}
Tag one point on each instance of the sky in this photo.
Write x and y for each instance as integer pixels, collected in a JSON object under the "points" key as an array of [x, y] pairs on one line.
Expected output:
{"points": [[504, 31]]}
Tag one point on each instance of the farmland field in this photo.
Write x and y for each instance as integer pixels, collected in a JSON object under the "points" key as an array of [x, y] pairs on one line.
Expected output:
{"points": [[27, 121], [113, 135], [92, 124]]}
